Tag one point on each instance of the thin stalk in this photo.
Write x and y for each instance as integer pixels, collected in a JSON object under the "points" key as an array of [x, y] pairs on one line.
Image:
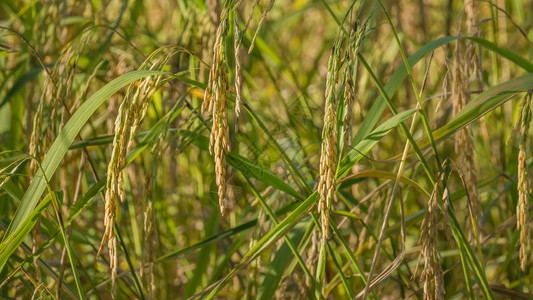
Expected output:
{"points": [[340, 272], [404, 128], [62, 230], [389, 210], [298, 177], [418, 95], [130, 265], [271, 215]]}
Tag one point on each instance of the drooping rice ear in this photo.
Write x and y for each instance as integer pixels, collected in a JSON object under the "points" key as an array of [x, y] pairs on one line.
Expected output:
{"points": [[432, 275], [328, 156], [464, 143], [131, 113], [522, 208], [216, 102]]}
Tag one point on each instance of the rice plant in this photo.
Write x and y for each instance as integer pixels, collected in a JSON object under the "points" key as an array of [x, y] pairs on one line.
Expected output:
{"points": [[234, 149]]}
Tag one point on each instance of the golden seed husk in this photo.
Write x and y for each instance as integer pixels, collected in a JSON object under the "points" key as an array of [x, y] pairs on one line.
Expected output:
{"points": [[131, 113], [328, 156], [464, 144], [522, 208], [432, 275], [216, 103]]}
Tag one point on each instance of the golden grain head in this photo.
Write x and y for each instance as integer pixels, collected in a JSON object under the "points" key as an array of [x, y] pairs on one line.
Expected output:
{"points": [[464, 144], [328, 155], [216, 103], [432, 275], [522, 208]]}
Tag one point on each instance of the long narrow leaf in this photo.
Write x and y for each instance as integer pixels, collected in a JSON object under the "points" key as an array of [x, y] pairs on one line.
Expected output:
{"points": [[374, 114], [61, 145]]}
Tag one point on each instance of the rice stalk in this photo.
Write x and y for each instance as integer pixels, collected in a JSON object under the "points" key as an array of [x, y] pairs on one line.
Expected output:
{"points": [[62, 262], [131, 113], [243, 256], [311, 261], [7, 172], [263, 18], [37, 145], [522, 208], [254, 269], [328, 155], [238, 76], [432, 275], [357, 35], [213, 8], [471, 11], [464, 144], [349, 98], [349, 89], [198, 30], [150, 229], [216, 102], [464, 141], [254, 5], [237, 44], [58, 87]]}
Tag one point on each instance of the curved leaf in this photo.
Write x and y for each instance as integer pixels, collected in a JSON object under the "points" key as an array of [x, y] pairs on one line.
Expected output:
{"points": [[482, 105], [400, 74], [269, 239], [370, 141], [248, 168], [386, 175], [61, 145]]}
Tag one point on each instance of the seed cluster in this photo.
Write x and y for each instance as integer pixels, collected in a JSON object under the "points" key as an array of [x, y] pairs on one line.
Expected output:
{"points": [[216, 102], [263, 18], [464, 142], [522, 209], [356, 37], [37, 143], [130, 115], [328, 156], [471, 11], [349, 89], [238, 76], [150, 229], [432, 275]]}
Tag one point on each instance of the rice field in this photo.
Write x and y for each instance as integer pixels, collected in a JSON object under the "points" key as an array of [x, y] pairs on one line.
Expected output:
{"points": [[310, 149]]}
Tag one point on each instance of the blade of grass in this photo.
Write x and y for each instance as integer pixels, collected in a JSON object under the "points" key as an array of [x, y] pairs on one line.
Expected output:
{"points": [[466, 253], [203, 257], [60, 147], [418, 95], [482, 105], [248, 168], [268, 240], [381, 174], [282, 257], [366, 144], [400, 74]]}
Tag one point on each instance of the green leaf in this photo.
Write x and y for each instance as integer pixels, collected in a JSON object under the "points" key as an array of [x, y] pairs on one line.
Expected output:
{"points": [[60, 147], [269, 239], [370, 141], [400, 74], [321, 269], [468, 254], [13, 240], [84, 201], [203, 257], [21, 83], [347, 181], [278, 265], [248, 168], [482, 105]]}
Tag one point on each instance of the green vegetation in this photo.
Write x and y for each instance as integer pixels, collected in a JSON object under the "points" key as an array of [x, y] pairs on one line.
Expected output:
{"points": [[310, 149]]}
